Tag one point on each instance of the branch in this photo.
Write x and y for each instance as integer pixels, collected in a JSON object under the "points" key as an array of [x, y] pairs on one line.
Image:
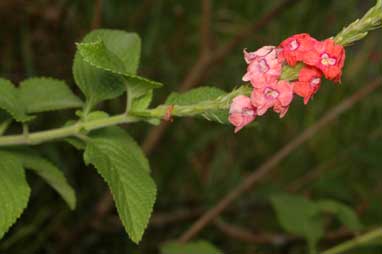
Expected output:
{"points": [[205, 61], [270, 164], [356, 242]]}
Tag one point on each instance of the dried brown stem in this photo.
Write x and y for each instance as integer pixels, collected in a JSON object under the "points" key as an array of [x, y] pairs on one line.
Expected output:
{"points": [[274, 160]]}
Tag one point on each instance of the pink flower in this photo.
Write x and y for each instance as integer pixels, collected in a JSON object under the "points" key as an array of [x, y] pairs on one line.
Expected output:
{"points": [[296, 47], [329, 57], [241, 112], [277, 95], [263, 66], [309, 81]]}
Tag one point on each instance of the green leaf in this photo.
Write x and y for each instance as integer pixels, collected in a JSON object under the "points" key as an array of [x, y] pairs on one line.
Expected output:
{"points": [[99, 56], [196, 247], [14, 191], [299, 216], [200, 95], [5, 121], [11, 102], [344, 213], [142, 102], [47, 171], [47, 94], [124, 167], [98, 84], [194, 96]]}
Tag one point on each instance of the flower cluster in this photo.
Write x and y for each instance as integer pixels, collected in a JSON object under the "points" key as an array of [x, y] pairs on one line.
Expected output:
{"points": [[265, 65]]}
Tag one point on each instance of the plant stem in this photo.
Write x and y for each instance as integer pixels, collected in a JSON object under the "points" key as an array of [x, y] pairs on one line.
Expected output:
{"points": [[72, 130], [159, 112], [358, 241]]}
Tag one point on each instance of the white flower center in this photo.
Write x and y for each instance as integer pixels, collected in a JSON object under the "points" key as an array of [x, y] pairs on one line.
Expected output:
{"points": [[327, 60], [314, 82], [271, 93], [293, 45]]}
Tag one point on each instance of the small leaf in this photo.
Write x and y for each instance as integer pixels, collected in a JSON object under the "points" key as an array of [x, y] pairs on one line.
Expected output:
{"points": [[196, 247], [47, 94], [344, 213], [48, 171], [142, 102], [99, 56], [299, 216], [195, 96], [124, 167], [199, 95], [98, 84], [95, 115], [14, 191], [10, 101]]}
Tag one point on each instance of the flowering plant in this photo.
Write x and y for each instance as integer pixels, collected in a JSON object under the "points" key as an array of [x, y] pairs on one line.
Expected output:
{"points": [[105, 67]]}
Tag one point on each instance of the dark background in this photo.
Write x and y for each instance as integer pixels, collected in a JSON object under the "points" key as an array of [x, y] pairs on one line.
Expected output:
{"points": [[195, 163]]}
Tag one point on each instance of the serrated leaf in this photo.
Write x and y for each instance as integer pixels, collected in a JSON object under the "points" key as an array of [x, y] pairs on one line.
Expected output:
{"points": [[142, 102], [124, 167], [199, 95], [196, 247], [47, 94], [10, 101], [99, 56], [47, 171], [14, 191], [299, 216], [344, 213], [98, 84]]}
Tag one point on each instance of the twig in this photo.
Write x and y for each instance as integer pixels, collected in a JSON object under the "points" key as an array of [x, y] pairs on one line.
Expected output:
{"points": [[358, 241], [97, 15], [205, 61], [270, 164], [245, 235]]}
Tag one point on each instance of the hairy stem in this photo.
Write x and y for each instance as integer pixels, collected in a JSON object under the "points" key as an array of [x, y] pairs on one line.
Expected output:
{"points": [[159, 112]]}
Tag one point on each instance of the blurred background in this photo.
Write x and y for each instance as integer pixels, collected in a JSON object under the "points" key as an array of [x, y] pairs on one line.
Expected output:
{"points": [[195, 162]]}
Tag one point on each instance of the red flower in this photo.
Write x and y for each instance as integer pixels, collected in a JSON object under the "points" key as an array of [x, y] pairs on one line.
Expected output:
{"points": [[329, 57], [296, 47], [309, 80]]}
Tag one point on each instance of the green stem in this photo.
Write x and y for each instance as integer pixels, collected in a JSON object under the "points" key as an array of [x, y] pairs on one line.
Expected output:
{"points": [[159, 112], [358, 241], [63, 132]]}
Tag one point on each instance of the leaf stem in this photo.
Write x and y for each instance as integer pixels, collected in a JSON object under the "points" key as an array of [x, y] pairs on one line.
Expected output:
{"points": [[358, 241]]}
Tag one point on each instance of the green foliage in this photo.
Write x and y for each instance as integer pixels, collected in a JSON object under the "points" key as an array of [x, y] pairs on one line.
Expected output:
{"points": [[345, 214], [46, 94], [124, 167], [100, 56], [299, 216], [14, 191], [303, 217], [98, 84], [196, 247], [47, 171], [200, 95], [11, 102], [194, 96]]}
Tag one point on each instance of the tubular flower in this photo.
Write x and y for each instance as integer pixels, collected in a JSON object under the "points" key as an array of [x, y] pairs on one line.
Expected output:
{"points": [[329, 57], [277, 95], [241, 112], [263, 66], [294, 48], [309, 81]]}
